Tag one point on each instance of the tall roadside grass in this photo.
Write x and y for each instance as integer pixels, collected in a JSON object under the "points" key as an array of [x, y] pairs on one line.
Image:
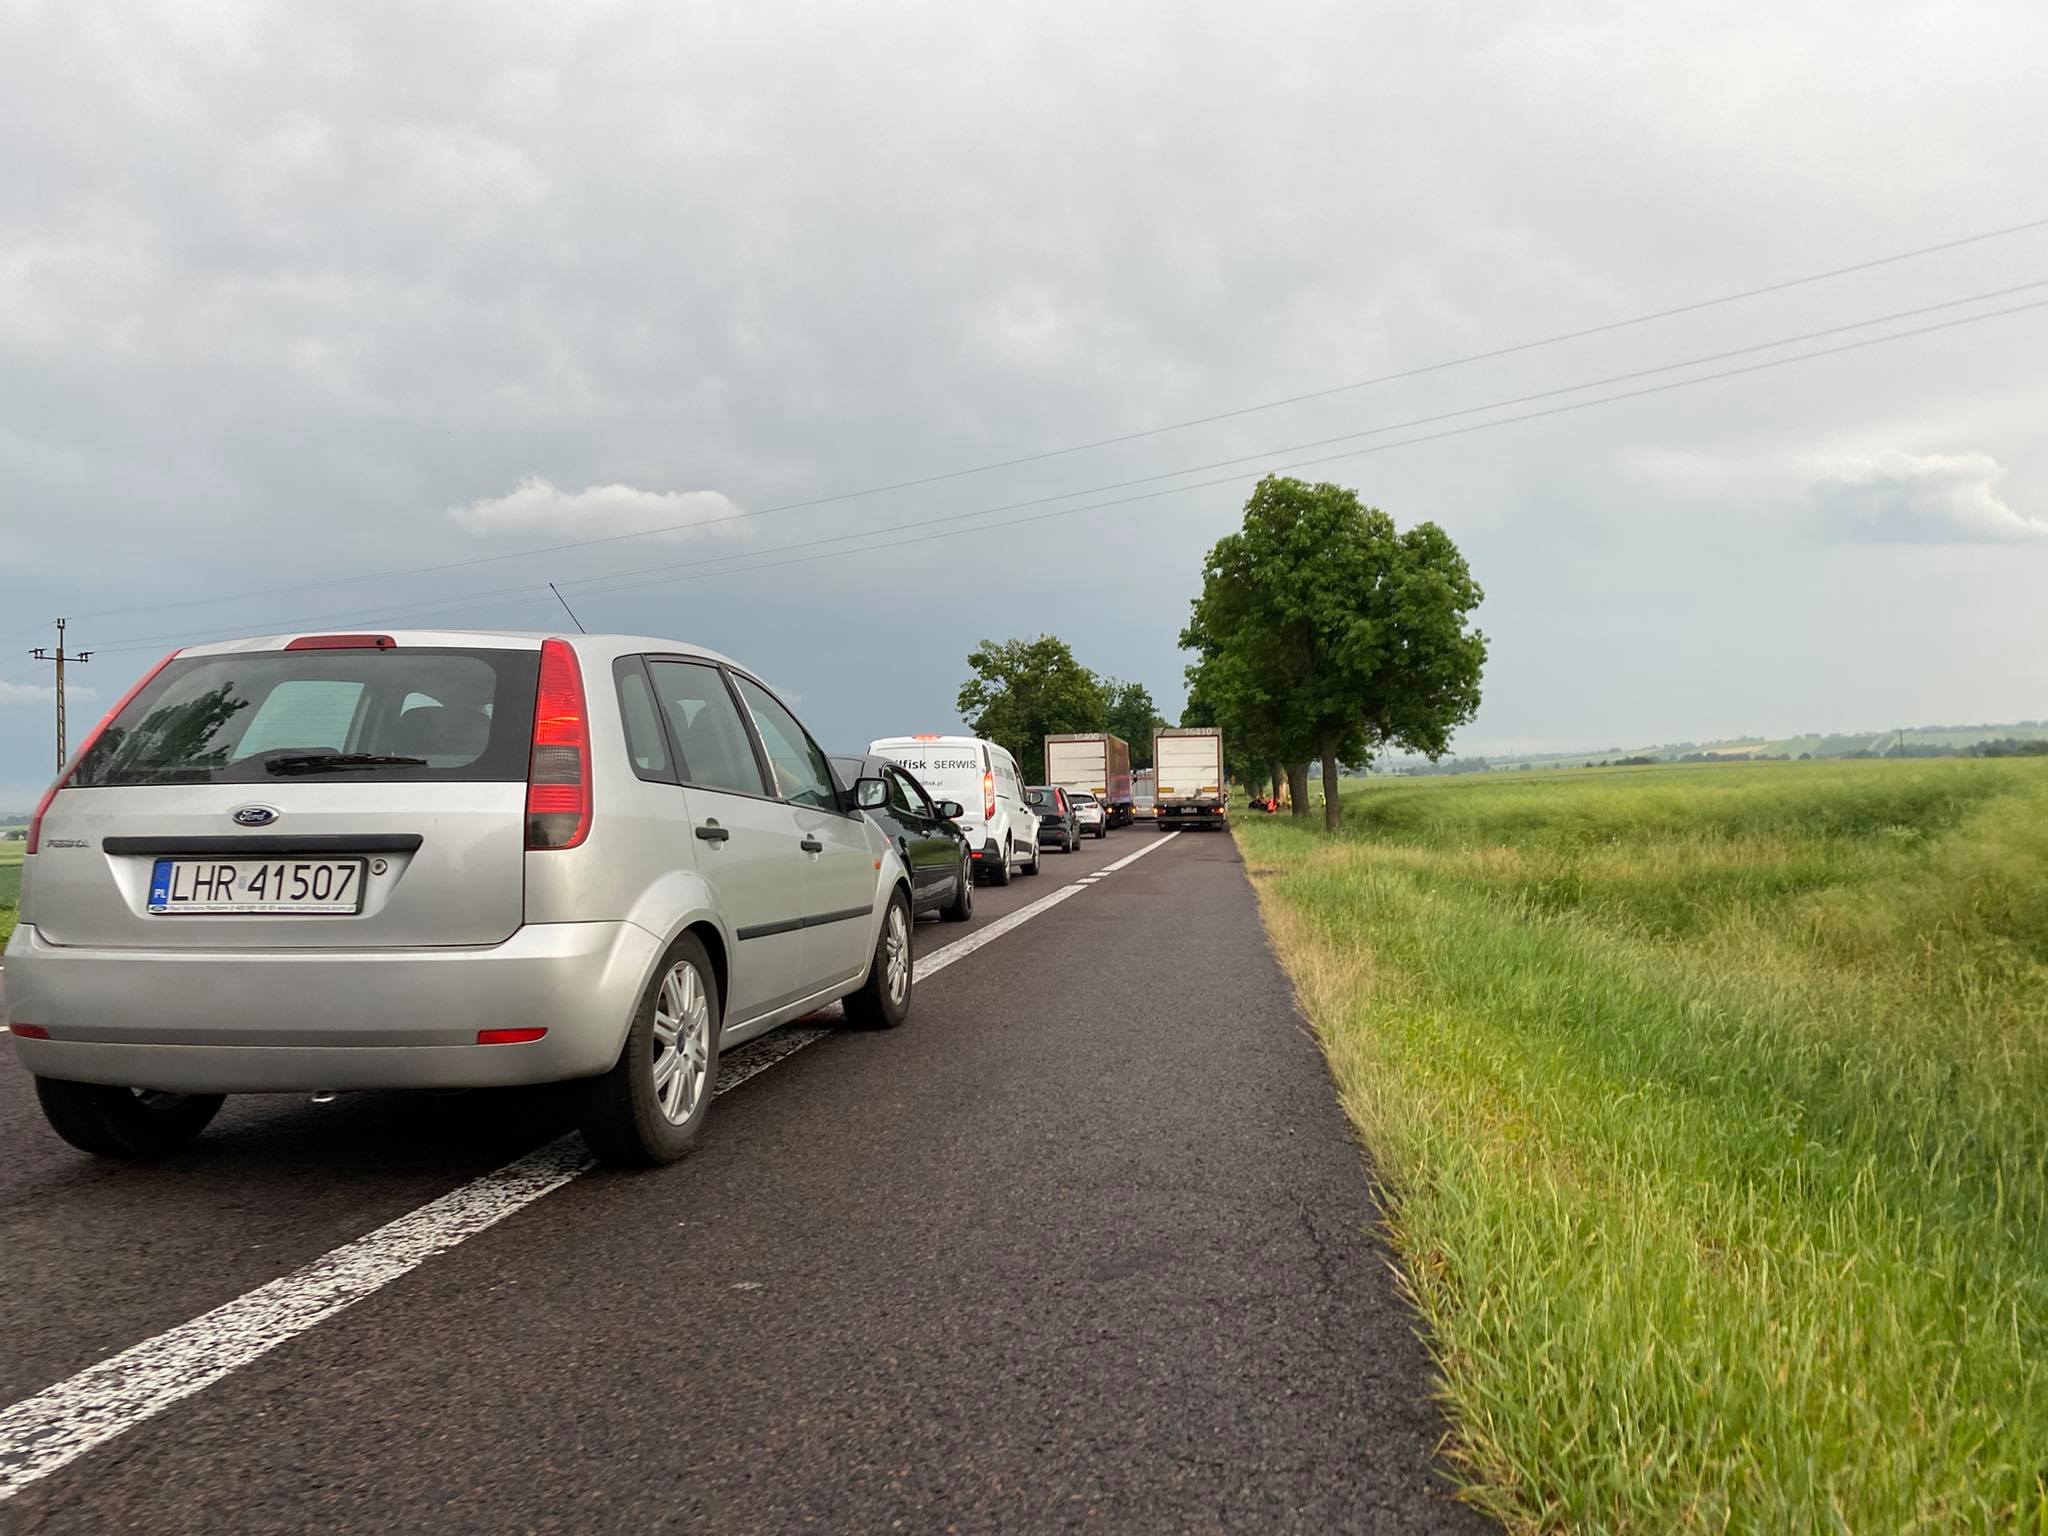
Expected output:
{"points": [[1714, 1107], [10, 887]]}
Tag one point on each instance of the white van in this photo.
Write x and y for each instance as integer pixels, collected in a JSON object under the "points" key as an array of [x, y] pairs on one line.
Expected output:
{"points": [[1001, 829]]}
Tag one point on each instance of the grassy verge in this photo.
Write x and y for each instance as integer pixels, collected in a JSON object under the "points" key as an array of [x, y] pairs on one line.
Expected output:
{"points": [[1714, 1103], [10, 887]]}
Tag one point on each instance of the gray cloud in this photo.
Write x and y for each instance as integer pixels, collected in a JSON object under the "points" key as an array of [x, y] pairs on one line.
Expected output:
{"points": [[284, 287], [1903, 498]]}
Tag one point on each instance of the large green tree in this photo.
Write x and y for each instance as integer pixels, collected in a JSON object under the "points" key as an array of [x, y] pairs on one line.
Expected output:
{"points": [[1134, 716], [1226, 688], [1022, 691], [1331, 634]]}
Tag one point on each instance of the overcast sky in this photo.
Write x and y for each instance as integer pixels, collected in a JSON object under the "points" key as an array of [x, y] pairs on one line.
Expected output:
{"points": [[296, 294]]}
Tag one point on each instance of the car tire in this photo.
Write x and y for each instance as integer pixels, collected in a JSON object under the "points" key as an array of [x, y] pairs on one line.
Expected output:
{"points": [[961, 909], [1000, 875], [1037, 853], [124, 1122], [883, 1000], [651, 1106]]}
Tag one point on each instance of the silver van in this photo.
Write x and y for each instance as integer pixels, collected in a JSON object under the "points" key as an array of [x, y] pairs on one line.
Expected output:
{"points": [[435, 859]]}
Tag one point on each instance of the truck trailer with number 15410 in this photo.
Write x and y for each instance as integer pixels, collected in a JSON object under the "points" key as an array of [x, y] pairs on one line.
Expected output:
{"points": [[1189, 789]]}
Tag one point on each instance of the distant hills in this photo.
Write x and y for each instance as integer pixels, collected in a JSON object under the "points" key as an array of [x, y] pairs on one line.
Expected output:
{"points": [[1987, 740]]}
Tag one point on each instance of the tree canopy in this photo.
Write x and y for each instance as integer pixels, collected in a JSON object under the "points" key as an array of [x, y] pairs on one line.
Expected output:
{"points": [[1133, 716], [1323, 631], [1022, 691]]}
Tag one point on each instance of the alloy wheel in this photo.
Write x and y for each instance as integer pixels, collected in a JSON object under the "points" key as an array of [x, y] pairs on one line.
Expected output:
{"points": [[896, 954], [682, 1042]]}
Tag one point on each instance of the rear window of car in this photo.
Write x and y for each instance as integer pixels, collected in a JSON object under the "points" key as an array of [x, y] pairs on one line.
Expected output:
{"points": [[340, 716]]}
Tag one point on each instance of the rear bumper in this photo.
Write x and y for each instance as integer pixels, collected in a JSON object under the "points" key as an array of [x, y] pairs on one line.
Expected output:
{"points": [[201, 1021], [1190, 815]]}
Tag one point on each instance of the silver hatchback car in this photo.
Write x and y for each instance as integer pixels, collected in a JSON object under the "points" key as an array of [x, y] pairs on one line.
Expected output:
{"points": [[435, 859]]}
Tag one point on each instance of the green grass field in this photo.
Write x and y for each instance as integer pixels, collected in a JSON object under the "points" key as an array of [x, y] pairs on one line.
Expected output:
{"points": [[1714, 1107], [10, 886]]}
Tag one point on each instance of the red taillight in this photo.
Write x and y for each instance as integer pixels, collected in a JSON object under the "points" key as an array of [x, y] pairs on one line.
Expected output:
{"points": [[988, 797], [341, 643], [30, 1031], [508, 1036], [35, 822], [558, 774]]}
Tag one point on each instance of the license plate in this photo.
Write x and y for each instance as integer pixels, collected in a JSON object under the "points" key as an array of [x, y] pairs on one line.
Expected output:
{"points": [[253, 887]]}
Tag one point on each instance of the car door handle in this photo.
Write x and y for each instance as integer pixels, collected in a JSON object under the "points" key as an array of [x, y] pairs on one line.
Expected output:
{"points": [[811, 845], [712, 832]]}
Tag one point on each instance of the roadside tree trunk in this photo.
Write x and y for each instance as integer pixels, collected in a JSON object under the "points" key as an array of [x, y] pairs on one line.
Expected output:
{"points": [[1279, 776], [1333, 813], [1297, 787]]}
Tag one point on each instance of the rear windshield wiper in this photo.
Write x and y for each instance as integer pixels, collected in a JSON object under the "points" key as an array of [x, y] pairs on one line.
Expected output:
{"points": [[335, 762]]}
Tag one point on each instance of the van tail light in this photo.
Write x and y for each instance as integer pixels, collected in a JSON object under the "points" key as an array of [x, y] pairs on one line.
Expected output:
{"points": [[558, 773], [988, 797], [35, 822]]}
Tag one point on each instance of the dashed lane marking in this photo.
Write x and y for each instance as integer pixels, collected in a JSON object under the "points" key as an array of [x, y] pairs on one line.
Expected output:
{"points": [[61, 1423]]}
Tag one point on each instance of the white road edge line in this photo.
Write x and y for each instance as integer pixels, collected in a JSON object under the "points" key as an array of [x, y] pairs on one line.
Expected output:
{"points": [[59, 1424]]}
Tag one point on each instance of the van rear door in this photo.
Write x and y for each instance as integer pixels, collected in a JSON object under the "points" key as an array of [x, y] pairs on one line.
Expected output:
{"points": [[955, 769]]}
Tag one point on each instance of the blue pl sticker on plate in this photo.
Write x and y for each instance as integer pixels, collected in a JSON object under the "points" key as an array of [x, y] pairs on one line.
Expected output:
{"points": [[160, 886]]}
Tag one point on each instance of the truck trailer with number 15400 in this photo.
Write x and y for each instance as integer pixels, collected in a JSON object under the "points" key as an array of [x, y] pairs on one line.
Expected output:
{"points": [[1093, 763]]}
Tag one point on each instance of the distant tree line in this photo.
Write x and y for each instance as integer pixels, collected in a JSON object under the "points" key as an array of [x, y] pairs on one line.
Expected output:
{"points": [[2011, 746]]}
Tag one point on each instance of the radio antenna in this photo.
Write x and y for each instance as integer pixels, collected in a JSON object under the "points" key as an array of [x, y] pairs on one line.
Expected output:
{"points": [[567, 609]]}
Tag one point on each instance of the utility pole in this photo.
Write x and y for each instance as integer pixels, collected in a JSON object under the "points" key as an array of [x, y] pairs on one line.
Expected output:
{"points": [[60, 657]]}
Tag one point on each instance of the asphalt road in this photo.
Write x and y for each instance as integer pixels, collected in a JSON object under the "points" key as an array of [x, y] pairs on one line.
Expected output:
{"points": [[1085, 1245]]}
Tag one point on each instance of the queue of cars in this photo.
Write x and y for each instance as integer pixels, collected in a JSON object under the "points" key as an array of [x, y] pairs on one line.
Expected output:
{"points": [[452, 859]]}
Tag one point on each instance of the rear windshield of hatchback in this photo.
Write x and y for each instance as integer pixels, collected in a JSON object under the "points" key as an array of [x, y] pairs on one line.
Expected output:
{"points": [[347, 716]]}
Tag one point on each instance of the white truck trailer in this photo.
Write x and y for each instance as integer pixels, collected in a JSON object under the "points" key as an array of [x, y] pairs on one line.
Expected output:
{"points": [[1095, 763], [1189, 789]]}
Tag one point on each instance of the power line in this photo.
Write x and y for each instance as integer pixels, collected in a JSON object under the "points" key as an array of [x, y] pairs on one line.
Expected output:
{"points": [[1695, 307], [695, 573], [1353, 453], [1392, 426], [490, 596]]}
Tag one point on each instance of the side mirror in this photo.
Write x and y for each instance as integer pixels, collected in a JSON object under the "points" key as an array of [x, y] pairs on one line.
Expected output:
{"points": [[952, 810], [870, 794]]}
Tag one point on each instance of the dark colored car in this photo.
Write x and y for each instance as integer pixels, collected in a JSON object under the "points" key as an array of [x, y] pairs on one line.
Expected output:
{"points": [[933, 849], [1057, 822]]}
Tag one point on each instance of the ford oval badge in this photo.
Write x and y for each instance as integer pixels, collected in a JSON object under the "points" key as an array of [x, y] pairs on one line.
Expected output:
{"points": [[254, 816]]}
